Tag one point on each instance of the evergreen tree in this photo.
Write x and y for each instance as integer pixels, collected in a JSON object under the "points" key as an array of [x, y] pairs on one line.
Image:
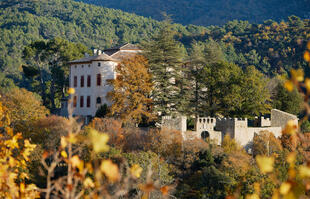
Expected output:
{"points": [[168, 72], [196, 65], [222, 88], [284, 100], [203, 56], [256, 97]]}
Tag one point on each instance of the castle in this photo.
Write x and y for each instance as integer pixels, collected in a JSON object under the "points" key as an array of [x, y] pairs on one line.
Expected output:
{"points": [[242, 130], [89, 75]]}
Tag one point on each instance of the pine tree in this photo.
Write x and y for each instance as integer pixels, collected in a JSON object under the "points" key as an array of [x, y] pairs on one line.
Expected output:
{"points": [[196, 64], [170, 93], [203, 58]]}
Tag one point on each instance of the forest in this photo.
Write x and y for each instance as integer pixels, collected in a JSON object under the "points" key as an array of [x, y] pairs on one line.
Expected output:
{"points": [[235, 70], [210, 12], [272, 47]]}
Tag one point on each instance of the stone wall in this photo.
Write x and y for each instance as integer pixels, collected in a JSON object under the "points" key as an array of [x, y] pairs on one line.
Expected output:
{"points": [[226, 126], [265, 122], [280, 118], [244, 136], [208, 124], [237, 128], [175, 123], [205, 123]]}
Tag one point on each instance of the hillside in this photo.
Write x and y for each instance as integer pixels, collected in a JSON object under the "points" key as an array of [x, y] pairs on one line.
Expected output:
{"points": [[210, 12], [22, 22], [272, 47]]}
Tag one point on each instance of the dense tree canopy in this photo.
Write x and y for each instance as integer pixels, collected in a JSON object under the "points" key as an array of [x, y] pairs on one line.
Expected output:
{"points": [[165, 58], [210, 12], [24, 108], [272, 47], [47, 69], [131, 91]]}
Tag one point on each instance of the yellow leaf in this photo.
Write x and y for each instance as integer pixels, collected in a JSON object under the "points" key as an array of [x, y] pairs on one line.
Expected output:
{"points": [[291, 158], [265, 164], [308, 45], [71, 138], [64, 154], [89, 167], [136, 170], [288, 85], [29, 146], [291, 127], [63, 142], [307, 84], [88, 183], [252, 196], [257, 187], [285, 188], [22, 187], [297, 75], [71, 91], [11, 162], [304, 171], [275, 195], [110, 170], [99, 141], [307, 56], [76, 162]]}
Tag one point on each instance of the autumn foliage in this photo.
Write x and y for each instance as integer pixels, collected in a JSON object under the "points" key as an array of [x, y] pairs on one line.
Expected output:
{"points": [[132, 88]]}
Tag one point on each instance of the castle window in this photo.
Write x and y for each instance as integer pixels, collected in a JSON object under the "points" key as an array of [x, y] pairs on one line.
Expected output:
{"points": [[88, 80], [82, 101], [75, 81], [88, 65], [75, 66], [98, 80], [99, 64], [82, 81], [74, 101], [98, 100], [88, 101], [82, 66]]}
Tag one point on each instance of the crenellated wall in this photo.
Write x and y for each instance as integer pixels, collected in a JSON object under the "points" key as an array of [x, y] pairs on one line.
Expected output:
{"points": [[237, 128], [207, 125]]}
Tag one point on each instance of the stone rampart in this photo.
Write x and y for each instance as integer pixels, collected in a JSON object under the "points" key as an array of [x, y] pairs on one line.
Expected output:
{"points": [[280, 118], [205, 123], [175, 123]]}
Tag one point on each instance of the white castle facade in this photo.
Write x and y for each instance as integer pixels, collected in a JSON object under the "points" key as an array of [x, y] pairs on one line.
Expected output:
{"points": [[89, 75]]}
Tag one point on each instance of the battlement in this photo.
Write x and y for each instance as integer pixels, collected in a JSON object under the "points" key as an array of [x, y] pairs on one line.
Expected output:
{"points": [[167, 117], [208, 120], [205, 123]]}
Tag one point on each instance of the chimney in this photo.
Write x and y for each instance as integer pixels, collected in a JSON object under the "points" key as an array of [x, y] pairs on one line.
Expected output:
{"points": [[86, 55], [99, 52], [95, 51]]}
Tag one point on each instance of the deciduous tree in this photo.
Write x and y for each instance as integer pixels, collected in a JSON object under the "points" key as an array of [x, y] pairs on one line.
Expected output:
{"points": [[131, 90], [24, 108]]}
